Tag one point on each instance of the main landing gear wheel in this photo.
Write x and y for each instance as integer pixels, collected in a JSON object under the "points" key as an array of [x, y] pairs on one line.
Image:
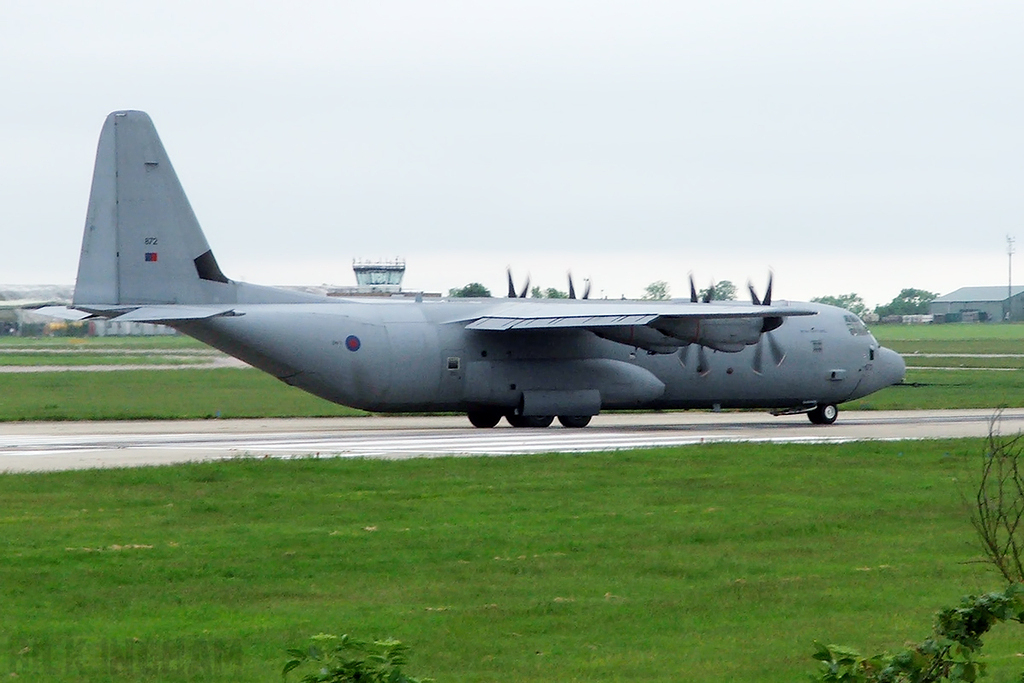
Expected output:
{"points": [[824, 415], [574, 421], [483, 419], [530, 421]]}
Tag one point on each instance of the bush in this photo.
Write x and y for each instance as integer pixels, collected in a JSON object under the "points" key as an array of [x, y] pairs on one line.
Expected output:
{"points": [[343, 659]]}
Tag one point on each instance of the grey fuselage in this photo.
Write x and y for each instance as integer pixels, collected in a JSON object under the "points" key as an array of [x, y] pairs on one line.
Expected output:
{"points": [[403, 355]]}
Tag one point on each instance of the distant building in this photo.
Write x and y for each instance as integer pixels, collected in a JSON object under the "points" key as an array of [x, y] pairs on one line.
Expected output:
{"points": [[378, 278], [381, 276], [979, 304]]}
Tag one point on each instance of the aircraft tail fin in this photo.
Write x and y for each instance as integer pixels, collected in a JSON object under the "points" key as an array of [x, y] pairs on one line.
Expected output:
{"points": [[142, 242]]}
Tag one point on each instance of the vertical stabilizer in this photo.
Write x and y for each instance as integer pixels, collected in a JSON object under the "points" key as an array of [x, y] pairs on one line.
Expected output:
{"points": [[142, 242]]}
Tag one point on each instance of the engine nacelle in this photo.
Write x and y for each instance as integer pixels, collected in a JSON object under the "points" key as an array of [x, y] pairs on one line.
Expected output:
{"points": [[722, 334], [642, 337]]}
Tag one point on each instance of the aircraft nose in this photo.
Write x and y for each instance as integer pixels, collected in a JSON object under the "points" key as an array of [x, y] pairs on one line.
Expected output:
{"points": [[890, 367]]}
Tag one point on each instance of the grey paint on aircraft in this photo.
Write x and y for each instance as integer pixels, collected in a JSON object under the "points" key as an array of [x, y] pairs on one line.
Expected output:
{"points": [[145, 258]]}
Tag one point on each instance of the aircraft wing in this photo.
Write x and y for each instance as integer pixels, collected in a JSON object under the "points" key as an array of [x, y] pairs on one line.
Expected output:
{"points": [[656, 326], [590, 314]]}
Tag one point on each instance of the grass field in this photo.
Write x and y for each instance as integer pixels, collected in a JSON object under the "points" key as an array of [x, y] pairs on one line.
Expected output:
{"points": [[706, 563], [952, 332], [156, 394], [172, 341], [937, 389], [92, 358]]}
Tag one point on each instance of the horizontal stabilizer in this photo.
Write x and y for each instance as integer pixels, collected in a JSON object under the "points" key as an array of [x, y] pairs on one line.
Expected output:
{"points": [[168, 313], [61, 312]]}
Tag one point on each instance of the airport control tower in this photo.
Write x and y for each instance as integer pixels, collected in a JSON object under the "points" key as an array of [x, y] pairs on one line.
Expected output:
{"points": [[379, 276]]}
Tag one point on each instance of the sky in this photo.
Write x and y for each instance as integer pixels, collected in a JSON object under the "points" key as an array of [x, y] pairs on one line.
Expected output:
{"points": [[850, 147]]}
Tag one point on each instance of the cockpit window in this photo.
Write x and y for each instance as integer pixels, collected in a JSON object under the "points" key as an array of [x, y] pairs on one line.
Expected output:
{"points": [[855, 325]]}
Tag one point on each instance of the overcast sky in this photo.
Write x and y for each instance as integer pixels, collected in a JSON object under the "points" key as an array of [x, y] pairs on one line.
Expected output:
{"points": [[852, 147]]}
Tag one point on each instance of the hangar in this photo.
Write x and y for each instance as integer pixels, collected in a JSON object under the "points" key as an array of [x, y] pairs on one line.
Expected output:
{"points": [[979, 304]]}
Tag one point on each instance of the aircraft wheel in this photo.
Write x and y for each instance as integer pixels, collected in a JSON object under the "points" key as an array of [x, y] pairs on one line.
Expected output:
{"points": [[574, 421], [483, 419], [824, 415], [530, 421]]}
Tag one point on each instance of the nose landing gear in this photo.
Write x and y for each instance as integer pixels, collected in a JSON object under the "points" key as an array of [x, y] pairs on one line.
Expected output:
{"points": [[823, 414]]}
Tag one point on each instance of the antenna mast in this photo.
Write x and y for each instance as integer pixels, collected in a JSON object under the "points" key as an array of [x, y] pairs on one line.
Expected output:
{"points": [[1009, 277]]}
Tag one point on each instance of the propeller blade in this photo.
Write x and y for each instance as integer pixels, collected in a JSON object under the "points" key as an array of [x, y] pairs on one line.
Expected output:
{"points": [[586, 289], [753, 294], [511, 285], [682, 353], [710, 294], [693, 291], [768, 292], [778, 353], [572, 290], [526, 288], [774, 347], [702, 362]]}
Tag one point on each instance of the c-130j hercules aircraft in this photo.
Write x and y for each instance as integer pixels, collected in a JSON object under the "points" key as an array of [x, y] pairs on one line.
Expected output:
{"points": [[144, 258]]}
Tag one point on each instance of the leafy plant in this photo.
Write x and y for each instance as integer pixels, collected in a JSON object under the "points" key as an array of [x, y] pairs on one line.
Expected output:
{"points": [[952, 653], [343, 659]]}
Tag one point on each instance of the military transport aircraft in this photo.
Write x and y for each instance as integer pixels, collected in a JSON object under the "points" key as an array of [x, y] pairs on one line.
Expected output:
{"points": [[144, 258]]}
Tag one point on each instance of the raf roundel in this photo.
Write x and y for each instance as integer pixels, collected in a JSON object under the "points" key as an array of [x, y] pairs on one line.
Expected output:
{"points": [[352, 343]]}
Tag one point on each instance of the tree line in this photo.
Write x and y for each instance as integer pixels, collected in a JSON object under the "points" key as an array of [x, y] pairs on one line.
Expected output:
{"points": [[909, 301]]}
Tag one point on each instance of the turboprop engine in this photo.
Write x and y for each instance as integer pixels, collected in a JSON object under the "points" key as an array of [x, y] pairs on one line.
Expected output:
{"points": [[728, 334], [668, 335]]}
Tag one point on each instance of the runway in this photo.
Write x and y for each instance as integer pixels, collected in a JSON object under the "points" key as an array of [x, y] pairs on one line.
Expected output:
{"points": [[53, 446]]}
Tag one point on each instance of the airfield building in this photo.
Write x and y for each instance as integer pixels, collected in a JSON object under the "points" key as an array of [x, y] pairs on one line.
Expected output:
{"points": [[381, 276], [979, 304], [378, 278]]}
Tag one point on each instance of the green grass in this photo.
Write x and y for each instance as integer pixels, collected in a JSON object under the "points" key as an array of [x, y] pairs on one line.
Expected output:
{"points": [[939, 389], [1009, 346], [704, 563], [952, 338], [92, 343], [156, 394], [949, 332], [111, 358], [956, 362]]}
